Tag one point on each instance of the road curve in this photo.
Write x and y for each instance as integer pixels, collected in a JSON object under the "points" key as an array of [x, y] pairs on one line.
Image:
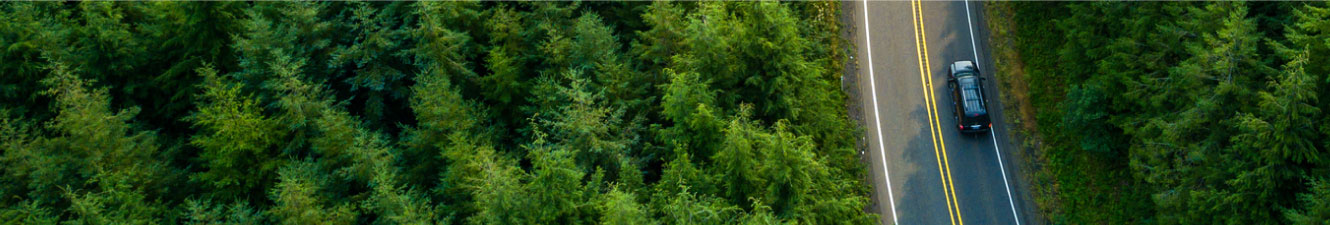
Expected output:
{"points": [[923, 171]]}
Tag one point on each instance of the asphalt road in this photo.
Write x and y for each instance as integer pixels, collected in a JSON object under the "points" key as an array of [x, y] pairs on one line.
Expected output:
{"points": [[923, 170]]}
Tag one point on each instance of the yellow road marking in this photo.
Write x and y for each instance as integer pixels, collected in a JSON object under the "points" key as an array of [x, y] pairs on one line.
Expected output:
{"points": [[935, 127]]}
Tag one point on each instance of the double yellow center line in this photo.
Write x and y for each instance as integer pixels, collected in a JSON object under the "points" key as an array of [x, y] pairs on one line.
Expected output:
{"points": [[935, 126]]}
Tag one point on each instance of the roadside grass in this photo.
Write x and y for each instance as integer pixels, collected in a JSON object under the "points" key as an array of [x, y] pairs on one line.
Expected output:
{"points": [[1069, 185], [1014, 92]]}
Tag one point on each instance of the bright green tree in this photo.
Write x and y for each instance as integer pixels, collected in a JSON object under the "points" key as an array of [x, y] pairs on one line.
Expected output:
{"points": [[105, 170], [299, 198], [688, 102], [622, 208], [204, 212], [237, 140]]}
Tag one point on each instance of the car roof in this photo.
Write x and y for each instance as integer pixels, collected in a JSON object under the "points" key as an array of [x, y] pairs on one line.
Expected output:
{"points": [[971, 97], [964, 66]]}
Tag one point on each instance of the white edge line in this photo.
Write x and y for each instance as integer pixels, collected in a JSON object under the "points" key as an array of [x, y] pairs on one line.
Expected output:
{"points": [[877, 118], [992, 132]]}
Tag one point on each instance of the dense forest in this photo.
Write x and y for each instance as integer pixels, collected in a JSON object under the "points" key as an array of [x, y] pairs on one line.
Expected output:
{"points": [[1181, 112], [448, 113]]}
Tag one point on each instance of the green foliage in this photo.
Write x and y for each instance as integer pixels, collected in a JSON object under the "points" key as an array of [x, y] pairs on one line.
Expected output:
{"points": [[1184, 97], [22, 156], [274, 30], [116, 202], [1314, 208], [375, 56], [686, 103], [775, 170], [395, 204], [236, 138], [425, 113], [596, 51], [438, 105], [583, 124], [500, 197], [1085, 118], [186, 36], [555, 187], [656, 47], [26, 213], [204, 212], [24, 36], [621, 208], [689, 208], [1309, 32], [298, 198]]}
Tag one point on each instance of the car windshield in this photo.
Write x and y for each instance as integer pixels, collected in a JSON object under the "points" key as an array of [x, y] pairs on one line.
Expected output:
{"points": [[974, 102]]}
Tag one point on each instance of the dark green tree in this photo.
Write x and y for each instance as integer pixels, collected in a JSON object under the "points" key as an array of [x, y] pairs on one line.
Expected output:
{"points": [[1313, 206], [374, 58]]}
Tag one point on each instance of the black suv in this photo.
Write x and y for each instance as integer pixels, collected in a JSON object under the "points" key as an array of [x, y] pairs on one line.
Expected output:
{"points": [[967, 97]]}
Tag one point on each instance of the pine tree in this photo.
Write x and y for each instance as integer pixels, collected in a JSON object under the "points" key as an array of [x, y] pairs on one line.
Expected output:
{"points": [[440, 110], [688, 102], [1309, 32], [555, 187], [27, 29], [425, 113], [689, 208], [739, 163], [1314, 208], [27, 213], [500, 196], [656, 47], [121, 167], [204, 212], [299, 198], [582, 123], [622, 208], [377, 69], [183, 37], [237, 140]]}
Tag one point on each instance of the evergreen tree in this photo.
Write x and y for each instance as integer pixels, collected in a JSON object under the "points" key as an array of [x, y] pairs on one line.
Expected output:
{"points": [[27, 30], [106, 171], [425, 113], [1314, 208], [381, 33], [27, 213], [686, 103], [184, 37], [236, 139], [582, 124], [204, 212], [299, 199], [621, 208], [689, 208], [656, 47], [500, 197]]}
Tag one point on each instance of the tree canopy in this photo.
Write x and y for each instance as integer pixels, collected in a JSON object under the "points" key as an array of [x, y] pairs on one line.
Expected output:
{"points": [[1181, 112], [435, 113]]}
